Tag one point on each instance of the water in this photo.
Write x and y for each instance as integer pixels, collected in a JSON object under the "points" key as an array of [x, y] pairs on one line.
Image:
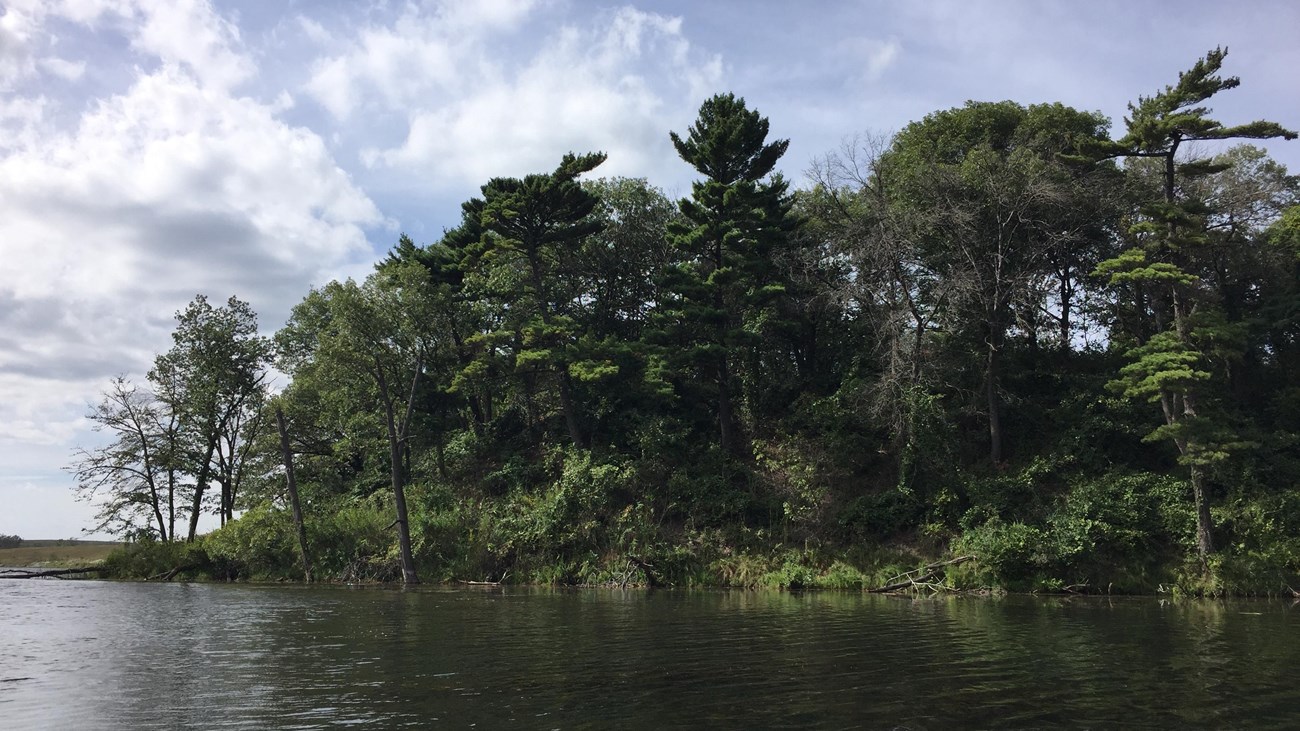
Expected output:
{"points": [[102, 655]]}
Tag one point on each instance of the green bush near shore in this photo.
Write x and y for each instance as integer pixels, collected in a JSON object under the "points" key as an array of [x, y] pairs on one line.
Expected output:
{"points": [[1123, 533]]}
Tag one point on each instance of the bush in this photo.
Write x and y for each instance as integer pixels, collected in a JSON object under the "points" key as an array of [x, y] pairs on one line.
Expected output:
{"points": [[1261, 553], [151, 558], [353, 542], [1117, 532], [1120, 529], [260, 544], [1013, 556], [882, 515]]}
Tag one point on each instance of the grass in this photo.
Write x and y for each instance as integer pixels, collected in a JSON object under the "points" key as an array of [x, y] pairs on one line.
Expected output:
{"points": [[56, 554]]}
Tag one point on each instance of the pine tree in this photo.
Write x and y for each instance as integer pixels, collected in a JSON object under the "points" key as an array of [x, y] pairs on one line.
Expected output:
{"points": [[1172, 366], [735, 220], [532, 229]]}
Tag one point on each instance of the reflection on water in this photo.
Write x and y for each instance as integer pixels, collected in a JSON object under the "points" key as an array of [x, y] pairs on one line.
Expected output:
{"points": [[98, 655]]}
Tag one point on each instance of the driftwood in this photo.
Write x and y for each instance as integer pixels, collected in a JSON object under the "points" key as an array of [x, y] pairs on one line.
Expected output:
{"points": [[498, 582], [27, 574], [652, 578], [169, 575], [919, 578]]}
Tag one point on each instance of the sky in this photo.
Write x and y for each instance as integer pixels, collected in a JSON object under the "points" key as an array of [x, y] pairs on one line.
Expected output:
{"points": [[152, 150]]}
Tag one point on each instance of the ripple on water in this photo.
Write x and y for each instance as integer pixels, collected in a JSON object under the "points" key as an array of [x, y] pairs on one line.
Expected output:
{"points": [[126, 656]]}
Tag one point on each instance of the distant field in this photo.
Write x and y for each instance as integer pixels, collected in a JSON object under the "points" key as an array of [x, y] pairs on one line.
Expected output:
{"points": [[56, 553]]}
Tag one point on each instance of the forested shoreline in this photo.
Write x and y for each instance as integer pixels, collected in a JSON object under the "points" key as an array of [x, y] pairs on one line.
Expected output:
{"points": [[1001, 333]]}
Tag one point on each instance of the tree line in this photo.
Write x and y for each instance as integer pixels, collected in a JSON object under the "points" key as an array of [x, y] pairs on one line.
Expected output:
{"points": [[999, 331]]}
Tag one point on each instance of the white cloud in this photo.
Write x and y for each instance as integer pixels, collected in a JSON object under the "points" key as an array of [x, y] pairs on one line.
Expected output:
{"points": [[64, 69], [51, 511], [474, 17], [162, 192], [20, 121], [314, 31], [880, 56], [172, 187], [420, 54], [19, 26], [26, 44], [191, 34], [617, 83]]}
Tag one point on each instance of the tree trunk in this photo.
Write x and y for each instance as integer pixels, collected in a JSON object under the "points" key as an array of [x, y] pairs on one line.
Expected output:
{"points": [[399, 493], [200, 485], [994, 403], [570, 410], [1204, 522], [292, 483], [157, 510], [171, 505], [727, 432], [223, 479], [1065, 310]]}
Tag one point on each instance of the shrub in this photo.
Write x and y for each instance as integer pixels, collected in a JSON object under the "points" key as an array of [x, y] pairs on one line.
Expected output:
{"points": [[1261, 553], [260, 544], [1014, 556], [1120, 528], [151, 558], [354, 542]]}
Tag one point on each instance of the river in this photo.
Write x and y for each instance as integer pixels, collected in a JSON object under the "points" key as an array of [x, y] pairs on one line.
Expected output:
{"points": [[105, 655]]}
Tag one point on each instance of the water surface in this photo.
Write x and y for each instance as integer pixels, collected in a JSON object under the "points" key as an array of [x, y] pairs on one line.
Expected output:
{"points": [[104, 655]]}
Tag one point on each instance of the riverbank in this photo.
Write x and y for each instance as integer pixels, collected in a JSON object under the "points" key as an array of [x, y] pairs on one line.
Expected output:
{"points": [[253, 549]]}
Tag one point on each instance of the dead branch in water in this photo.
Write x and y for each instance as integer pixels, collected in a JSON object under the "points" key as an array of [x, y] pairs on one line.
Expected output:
{"points": [[169, 575], [652, 578], [920, 578], [498, 582], [26, 574]]}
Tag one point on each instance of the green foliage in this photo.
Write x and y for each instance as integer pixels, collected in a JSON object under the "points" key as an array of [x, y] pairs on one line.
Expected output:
{"points": [[1132, 266], [1164, 363], [1120, 528], [1112, 533], [1263, 553], [259, 545], [728, 143], [570, 521], [1011, 555], [882, 515], [353, 542], [725, 290], [948, 346], [152, 559]]}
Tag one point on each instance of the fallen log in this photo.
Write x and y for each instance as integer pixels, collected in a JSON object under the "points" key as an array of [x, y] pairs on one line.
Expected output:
{"points": [[652, 578], [29, 574], [171, 574], [923, 576]]}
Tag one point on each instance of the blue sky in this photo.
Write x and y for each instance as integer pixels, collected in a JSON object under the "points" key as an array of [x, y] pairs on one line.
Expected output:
{"points": [[151, 150]]}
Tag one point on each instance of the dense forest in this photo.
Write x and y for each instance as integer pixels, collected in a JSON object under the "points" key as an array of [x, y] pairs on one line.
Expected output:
{"points": [[1001, 333]]}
